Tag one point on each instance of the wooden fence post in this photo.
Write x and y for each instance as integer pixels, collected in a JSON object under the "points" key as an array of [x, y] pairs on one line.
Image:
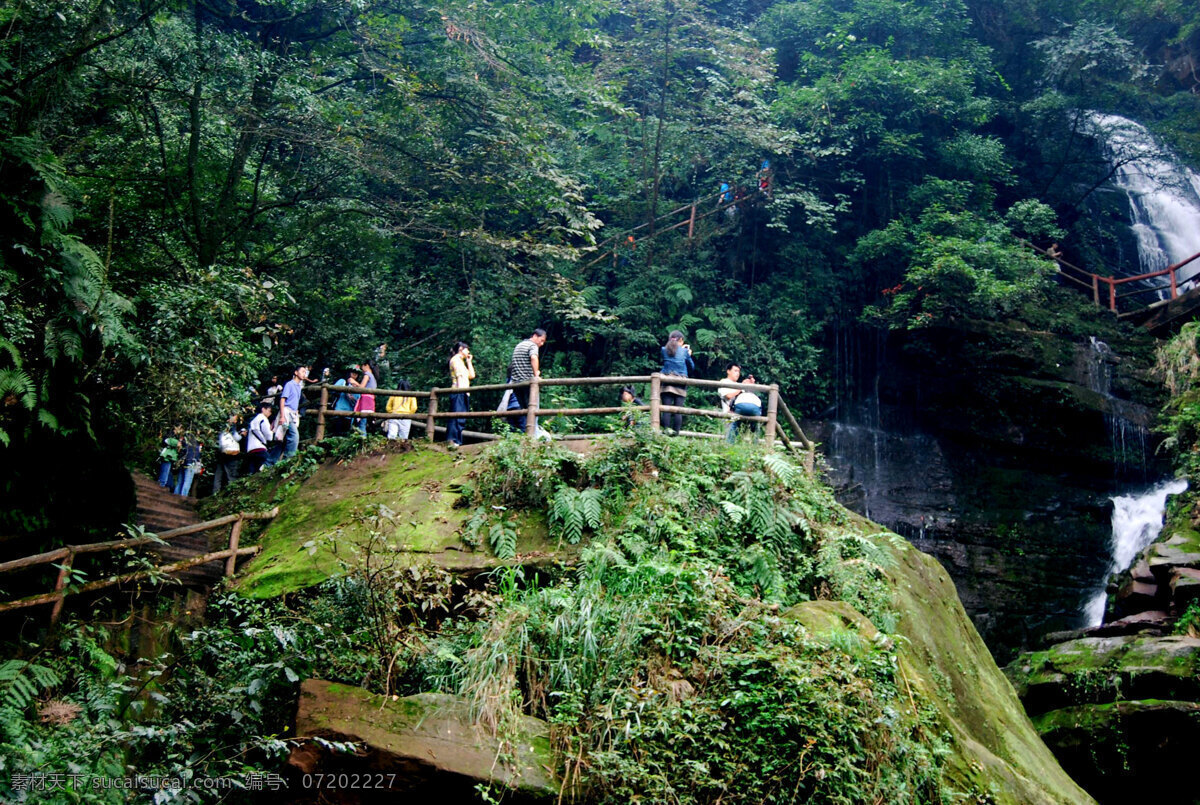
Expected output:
{"points": [[1112, 296], [430, 429], [656, 401], [531, 414], [1174, 284], [772, 414], [235, 535], [1096, 290], [64, 572], [321, 413], [692, 221]]}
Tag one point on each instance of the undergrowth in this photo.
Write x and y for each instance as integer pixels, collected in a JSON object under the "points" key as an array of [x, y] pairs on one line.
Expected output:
{"points": [[668, 660]]}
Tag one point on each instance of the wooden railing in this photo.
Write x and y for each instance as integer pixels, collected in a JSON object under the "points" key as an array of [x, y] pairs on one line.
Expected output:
{"points": [[611, 247], [428, 419], [1092, 282], [66, 556]]}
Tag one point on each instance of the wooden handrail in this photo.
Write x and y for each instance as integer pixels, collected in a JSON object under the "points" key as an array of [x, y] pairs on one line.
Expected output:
{"points": [[1093, 280], [67, 554], [775, 405]]}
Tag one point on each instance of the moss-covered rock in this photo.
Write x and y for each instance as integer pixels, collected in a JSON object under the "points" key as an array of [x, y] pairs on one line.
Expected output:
{"points": [[1122, 750], [405, 505], [1098, 670], [945, 681], [944, 660], [420, 746]]}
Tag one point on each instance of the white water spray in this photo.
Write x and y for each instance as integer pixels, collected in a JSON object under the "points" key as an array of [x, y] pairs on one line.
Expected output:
{"points": [[1164, 194], [1136, 522]]}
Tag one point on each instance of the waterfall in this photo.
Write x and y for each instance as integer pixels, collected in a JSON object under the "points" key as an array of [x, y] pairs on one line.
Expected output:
{"points": [[1136, 522], [1164, 194], [1127, 438]]}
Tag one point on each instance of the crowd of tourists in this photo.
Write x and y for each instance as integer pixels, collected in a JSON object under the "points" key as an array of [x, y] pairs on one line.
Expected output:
{"points": [[271, 433]]}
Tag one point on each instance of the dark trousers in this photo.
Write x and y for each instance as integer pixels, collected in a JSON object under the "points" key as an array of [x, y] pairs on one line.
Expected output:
{"points": [[227, 471], [521, 396], [255, 461], [454, 427], [671, 420]]}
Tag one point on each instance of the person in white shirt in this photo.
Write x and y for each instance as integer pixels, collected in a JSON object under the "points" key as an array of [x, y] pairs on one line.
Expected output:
{"points": [[259, 436], [743, 403]]}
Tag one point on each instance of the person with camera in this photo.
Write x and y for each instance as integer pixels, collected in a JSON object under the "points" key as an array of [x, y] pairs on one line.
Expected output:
{"points": [[462, 372]]}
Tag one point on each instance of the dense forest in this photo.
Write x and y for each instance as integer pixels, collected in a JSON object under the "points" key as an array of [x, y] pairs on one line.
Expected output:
{"points": [[200, 194]]}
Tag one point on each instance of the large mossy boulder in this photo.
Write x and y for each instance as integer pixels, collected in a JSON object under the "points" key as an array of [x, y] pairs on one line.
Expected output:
{"points": [[424, 748], [403, 506], [938, 688], [1117, 711]]}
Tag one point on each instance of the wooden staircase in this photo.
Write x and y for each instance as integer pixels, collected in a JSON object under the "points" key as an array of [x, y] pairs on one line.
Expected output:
{"points": [[159, 510]]}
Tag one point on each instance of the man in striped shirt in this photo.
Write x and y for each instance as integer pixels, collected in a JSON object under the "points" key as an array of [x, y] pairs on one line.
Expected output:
{"points": [[524, 366]]}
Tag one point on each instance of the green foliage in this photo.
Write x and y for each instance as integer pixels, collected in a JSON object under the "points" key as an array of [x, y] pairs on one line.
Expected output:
{"points": [[571, 511], [956, 265], [1178, 365], [661, 660]]}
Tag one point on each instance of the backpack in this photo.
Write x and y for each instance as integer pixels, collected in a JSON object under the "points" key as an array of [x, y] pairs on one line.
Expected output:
{"points": [[228, 443]]}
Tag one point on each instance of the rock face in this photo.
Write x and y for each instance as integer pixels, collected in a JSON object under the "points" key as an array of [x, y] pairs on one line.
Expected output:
{"points": [[995, 448], [1122, 702], [423, 748], [1116, 711], [994, 746]]}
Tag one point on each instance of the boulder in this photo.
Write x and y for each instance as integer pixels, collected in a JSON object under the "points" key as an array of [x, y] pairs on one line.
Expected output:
{"points": [[422, 747], [1136, 596], [1099, 670], [1185, 587], [1151, 622], [1123, 751]]}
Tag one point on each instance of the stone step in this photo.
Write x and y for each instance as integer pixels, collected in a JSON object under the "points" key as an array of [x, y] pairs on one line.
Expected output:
{"points": [[1150, 622], [1185, 587]]}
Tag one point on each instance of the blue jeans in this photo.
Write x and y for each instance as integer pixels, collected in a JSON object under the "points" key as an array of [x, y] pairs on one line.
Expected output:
{"points": [[291, 441], [183, 484], [519, 400], [454, 427], [164, 474], [742, 409]]}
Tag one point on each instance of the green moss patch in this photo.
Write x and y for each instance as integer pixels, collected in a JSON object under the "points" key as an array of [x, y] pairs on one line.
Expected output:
{"points": [[944, 660], [397, 503]]}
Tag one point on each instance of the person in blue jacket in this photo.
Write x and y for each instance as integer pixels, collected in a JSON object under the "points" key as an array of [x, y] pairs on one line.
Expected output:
{"points": [[677, 362]]}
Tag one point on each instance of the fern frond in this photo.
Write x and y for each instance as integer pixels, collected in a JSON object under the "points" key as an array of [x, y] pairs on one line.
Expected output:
{"points": [[733, 511], [503, 539], [782, 469], [592, 507], [20, 682]]}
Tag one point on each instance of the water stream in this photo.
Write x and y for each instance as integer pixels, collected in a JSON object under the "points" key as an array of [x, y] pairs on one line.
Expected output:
{"points": [[1136, 522], [1164, 194]]}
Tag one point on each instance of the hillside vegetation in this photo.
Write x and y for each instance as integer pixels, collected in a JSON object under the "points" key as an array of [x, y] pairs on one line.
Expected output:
{"points": [[695, 623]]}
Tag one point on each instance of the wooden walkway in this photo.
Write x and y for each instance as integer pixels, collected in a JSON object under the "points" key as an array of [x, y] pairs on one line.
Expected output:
{"points": [[1160, 317], [776, 413], [159, 511]]}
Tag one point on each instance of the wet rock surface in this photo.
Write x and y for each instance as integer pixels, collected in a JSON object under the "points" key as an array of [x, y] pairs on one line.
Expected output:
{"points": [[422, 748], [996, 448]]}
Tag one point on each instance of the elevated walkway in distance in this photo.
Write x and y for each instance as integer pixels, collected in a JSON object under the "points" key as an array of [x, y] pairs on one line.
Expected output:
{"points": [[1166, 316], [1161, 317]]}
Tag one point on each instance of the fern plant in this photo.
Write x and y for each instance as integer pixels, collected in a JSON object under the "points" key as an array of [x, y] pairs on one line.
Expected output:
{"points": [[21, 681], [502, 536], [571, 511]]}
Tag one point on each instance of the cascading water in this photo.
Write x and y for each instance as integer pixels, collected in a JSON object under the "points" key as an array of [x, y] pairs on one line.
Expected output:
{"points": [[1127, 438], [1164, 194], [1136, 522]]}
